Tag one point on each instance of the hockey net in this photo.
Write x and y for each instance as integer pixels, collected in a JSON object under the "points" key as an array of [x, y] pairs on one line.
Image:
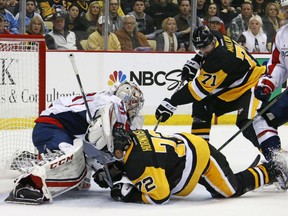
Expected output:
{"points": [[22, 98]]}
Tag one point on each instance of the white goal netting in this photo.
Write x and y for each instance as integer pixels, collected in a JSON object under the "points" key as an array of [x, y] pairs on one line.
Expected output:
{"points": [[20, 99]]}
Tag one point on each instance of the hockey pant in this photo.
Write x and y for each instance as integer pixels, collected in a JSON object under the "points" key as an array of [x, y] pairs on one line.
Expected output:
{"points": [[49, 136], [202, 113], [266, 126], [221, 182]]}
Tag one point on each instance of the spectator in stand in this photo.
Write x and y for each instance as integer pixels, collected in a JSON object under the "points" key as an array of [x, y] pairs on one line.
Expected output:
{"points": [[49, 7], [201, 8], [72, 16], [215, 24], [254, 39], [130, 39], [213, 11], [259, 7], [96, 41], [60, 38], [167, 40], [183, 21], [30, 13], [115, 18], [3, 30], [161, 10], [144, 22], [227, 12], [11, 23], [83, 5], [271, 21], [240, 23], [91, 17], [74, 22], [35, 26], [13, 6], [119, 11]]}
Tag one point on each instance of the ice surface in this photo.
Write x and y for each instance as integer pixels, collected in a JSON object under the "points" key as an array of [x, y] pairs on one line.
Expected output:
{"points": [[240, 153]]}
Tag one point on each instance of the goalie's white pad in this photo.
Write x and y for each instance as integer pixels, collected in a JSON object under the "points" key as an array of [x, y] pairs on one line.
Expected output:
{"points": [[99, 132], [56, 173]]}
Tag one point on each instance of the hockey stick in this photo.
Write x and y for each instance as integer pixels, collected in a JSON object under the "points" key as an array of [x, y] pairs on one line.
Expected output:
{"points": [[255, 162], [72, 59], [160, 118], [273, 101]]}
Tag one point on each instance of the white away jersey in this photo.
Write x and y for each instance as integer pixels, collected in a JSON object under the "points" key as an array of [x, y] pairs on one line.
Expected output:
{"points": [[277, 66]]}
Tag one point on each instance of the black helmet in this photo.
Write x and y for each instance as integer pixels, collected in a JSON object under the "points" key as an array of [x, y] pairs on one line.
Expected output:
{"points": [[202, 37]]}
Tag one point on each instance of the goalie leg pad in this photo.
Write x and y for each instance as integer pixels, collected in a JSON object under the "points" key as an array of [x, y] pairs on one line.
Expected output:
{"points": [[56, 173]]}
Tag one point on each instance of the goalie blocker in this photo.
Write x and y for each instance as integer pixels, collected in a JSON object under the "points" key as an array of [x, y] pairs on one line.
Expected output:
{"points": [[56, 173]]}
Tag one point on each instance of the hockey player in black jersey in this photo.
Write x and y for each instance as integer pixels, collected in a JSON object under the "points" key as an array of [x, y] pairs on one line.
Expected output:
{"points": [[160, 166], [227, 72]]}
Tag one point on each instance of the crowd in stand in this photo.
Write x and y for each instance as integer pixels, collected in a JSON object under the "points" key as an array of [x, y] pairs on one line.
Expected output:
{"points": [[144, 25]]}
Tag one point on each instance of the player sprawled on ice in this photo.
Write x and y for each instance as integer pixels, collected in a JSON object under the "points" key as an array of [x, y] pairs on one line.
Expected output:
{"points": [[266, 126], [220, 78], [160, 166], [60, 135]]}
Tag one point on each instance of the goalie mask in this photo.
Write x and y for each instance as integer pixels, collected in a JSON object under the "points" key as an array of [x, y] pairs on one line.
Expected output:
{"points": [[132, 97]]}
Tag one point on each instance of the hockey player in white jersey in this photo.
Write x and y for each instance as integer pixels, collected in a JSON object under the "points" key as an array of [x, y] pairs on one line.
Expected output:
{"points": [[59, 134], [266, 126]]}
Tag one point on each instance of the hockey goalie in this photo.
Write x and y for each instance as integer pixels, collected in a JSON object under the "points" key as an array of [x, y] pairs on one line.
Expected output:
{"points": [[65, 137]]}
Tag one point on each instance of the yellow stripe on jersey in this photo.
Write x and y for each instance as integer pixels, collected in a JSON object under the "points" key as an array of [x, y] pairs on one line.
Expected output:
{"points": [[204, 130], [238, 91], [266, 175], [197, 95], [199, 151], [217, 179], [256, 177]]}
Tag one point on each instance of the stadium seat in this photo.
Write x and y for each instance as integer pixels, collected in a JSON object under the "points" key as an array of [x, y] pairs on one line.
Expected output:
{"points": [[152, 43]]}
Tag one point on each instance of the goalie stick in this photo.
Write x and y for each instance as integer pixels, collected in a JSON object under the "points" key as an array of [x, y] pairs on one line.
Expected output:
{"points": [[273, 101], [72, 59]]}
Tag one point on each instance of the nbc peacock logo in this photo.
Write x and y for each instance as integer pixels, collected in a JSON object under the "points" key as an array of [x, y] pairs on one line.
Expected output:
{"points": [[116, 76]]}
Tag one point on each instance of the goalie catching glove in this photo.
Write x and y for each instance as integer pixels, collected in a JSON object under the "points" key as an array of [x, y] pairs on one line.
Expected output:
{"points": [[165, 110], [264, 88], [191, 67]]}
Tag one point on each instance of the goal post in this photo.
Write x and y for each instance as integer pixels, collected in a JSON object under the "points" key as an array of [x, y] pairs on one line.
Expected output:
{"points": [[22, 96]]}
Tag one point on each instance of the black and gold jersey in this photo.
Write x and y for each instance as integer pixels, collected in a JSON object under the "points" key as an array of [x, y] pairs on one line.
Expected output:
{"points": [[228, 72], [161, 165]]}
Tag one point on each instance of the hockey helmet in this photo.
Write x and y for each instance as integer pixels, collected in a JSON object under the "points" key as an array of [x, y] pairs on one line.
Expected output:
{"points": [[284, 3], [132, 97], [202, 37]]}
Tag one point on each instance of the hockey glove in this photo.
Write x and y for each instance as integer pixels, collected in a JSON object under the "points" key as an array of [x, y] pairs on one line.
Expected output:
{"points": [[100, 177], [165, 109], [122, 191], [191, 67], [264, 88]]}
